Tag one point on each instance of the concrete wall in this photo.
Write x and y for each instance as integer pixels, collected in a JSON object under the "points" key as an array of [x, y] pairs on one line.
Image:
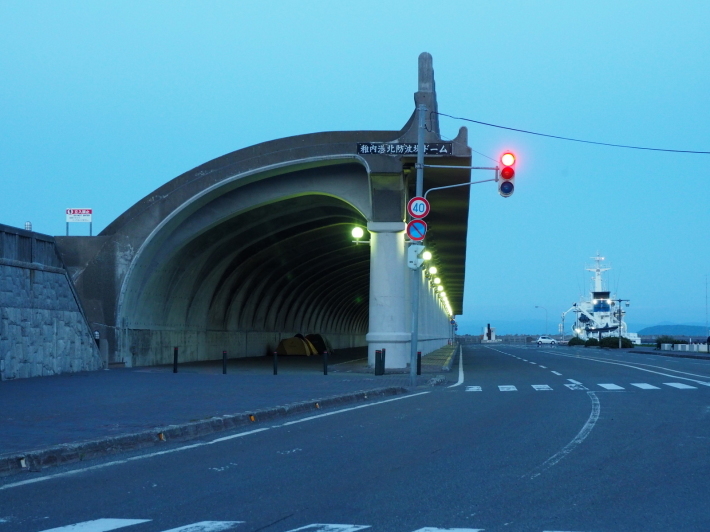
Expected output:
{"points": [[43, 330]]}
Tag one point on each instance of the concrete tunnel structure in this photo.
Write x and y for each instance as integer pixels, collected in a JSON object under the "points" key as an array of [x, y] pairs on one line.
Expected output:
{"points": [[256, 246]]}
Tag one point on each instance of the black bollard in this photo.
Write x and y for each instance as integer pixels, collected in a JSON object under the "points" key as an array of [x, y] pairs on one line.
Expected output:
{"points": [[175, 357], [378, 361], [224, 362], [325, 362], [419, 362], [382, 368], [276, 363]]}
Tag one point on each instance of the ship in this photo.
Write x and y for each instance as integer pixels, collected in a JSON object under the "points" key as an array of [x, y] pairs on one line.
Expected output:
{"points": [[600, 315]]}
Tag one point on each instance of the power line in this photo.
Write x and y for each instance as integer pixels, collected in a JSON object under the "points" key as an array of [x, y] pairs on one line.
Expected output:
{"points": [[571, 139]]}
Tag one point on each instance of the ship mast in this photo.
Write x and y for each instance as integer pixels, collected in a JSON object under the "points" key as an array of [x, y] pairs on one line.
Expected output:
{"points": [[598, 269]]}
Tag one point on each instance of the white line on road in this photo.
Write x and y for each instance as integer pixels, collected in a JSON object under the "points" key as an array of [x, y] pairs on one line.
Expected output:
{"points": [[207, 526], [579, 438], [192, 446], [575, 386], [543, 367], [431, 529], [330, 528], [636, 367], [541, 387], [574, 381], [557, 373], [680, 386], [507, 388], [610, 386], [98, 525], [460, 381], [349, 409], [644, 386], [474, 389]]}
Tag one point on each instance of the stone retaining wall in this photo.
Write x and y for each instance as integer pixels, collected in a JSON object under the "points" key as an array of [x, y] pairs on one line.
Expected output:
{"points": [[43, 330]]}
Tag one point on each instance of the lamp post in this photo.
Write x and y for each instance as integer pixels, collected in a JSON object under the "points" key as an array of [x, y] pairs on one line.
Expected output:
{"points": [[543, 308]]}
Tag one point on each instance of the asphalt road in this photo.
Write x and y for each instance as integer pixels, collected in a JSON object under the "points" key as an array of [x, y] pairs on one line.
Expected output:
{"points": [[533, 439]]}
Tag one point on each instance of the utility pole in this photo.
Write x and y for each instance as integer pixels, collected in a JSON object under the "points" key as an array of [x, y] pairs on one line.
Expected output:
{"points": [[416, 275], [621, 315]]}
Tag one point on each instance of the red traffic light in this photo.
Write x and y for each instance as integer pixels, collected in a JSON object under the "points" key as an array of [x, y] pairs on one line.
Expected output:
{"points": [[507, 173]]}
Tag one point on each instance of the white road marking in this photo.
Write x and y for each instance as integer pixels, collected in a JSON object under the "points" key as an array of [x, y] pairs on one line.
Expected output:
{"points": [[432, 529], [543, 367], [507, 388], [703, 383], [349, 409], [644, 386], [578, 439], [680, 386], [192, 446], [460, 381], [533, 362], [330, 528], [556, 373], [207, 526], [575, 386], [574, 381], [541, 387], [524, 360], [610, 386], [473, 389], [98, 525]]}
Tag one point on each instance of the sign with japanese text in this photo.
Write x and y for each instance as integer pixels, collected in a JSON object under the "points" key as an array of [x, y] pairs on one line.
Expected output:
{"points": [[403, 148], [79, 215]]}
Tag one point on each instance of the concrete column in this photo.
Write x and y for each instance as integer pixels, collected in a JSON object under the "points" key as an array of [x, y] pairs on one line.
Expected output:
{"points": [[389, 314]]}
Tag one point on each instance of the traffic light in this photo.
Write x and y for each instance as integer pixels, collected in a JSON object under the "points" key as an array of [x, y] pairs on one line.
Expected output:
{"points": [[506, 181], [414, 258]]}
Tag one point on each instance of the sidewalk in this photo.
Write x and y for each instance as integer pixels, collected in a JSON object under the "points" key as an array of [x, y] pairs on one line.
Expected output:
{"points": [[48, 421]]}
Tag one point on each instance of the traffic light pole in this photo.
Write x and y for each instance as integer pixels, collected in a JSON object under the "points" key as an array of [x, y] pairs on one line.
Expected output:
{"points": [[415, 273]]}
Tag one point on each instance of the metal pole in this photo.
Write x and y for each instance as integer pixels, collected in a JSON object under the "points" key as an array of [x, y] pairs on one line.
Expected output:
{"points": [[619, 323], [421, 110], [276, 363], [224, 362], [175, 359], [325, 362]]}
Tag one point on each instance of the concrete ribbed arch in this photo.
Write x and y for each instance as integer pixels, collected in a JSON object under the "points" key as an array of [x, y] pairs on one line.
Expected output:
{"points": [[280, 267]]}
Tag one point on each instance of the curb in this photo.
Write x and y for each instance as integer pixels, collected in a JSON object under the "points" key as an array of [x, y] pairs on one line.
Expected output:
{"points": [[450, 361], [673, 355], [68, 453]]}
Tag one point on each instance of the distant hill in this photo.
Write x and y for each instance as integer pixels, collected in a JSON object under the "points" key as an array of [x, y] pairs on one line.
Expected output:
{"points": [[674, 330]]}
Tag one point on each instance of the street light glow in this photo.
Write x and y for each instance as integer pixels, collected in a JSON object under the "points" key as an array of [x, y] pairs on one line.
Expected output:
{"points": [[433, 270], [357, 232], [437, 280], [426, 255]]}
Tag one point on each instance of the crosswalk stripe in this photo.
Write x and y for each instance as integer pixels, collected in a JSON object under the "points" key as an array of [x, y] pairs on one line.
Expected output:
{"points": [[473, 389], [98, 525], [574, 381], [330, 528], [207, 526], [507, 388], [556, 373], [610, 386], [644, 386], [432, 529], [575, 386], [680, 385], [541, 387]]}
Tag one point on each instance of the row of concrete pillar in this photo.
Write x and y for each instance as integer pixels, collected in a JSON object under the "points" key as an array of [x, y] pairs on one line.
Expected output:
{"points": [[390, 300]]}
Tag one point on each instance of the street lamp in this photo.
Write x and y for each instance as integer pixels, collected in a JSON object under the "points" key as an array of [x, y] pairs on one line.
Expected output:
{"points": [[543, 308]]}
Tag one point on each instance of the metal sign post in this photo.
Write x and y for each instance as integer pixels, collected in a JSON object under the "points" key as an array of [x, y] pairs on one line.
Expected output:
{"points": [[81, 216]]}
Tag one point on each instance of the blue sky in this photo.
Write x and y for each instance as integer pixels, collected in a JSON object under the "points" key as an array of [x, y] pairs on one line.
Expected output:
{"points": [[104, 102]]}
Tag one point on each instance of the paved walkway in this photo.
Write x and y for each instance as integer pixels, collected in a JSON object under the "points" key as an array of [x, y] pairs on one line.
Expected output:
{"points": [[48, 412]]}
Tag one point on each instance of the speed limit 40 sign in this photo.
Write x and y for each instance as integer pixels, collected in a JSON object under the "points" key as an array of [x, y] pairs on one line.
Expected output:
{"points": [[418, 207]]}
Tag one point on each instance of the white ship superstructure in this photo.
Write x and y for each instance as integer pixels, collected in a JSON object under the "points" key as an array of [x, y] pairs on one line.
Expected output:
{"points": [[601, 314]]}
